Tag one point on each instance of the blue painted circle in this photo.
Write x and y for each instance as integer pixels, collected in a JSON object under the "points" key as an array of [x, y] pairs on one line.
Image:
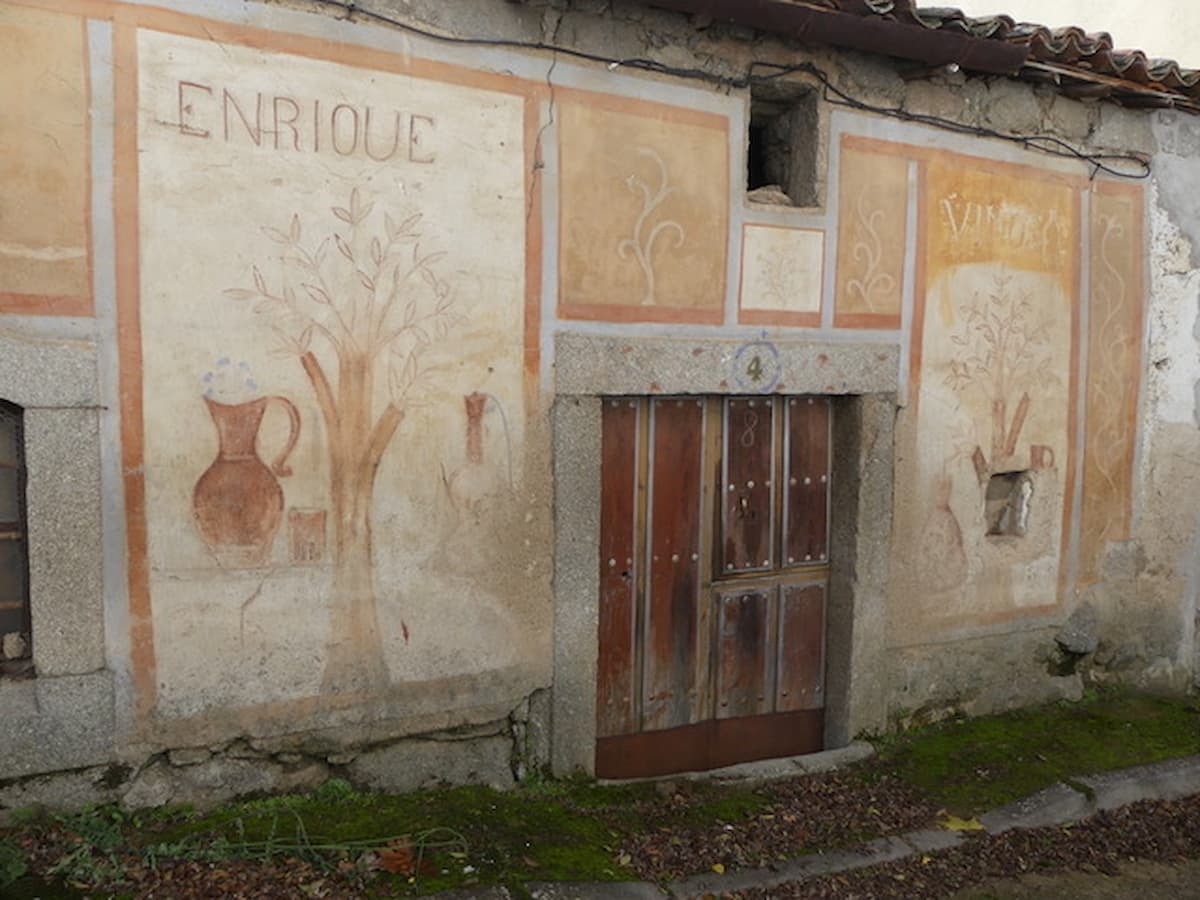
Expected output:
{"points": [[756, 367]]}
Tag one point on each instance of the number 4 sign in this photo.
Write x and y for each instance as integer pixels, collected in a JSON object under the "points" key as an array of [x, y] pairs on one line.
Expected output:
{"points": [[756, 367]]}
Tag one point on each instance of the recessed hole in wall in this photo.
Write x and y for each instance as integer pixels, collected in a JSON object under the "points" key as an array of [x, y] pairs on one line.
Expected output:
{"points": [[1006, 504], [781, 156]]}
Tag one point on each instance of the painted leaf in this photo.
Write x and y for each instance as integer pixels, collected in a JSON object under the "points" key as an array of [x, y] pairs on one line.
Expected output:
{"points": [[344, 248], [344, 214], [276, 235], [317, 294], [294, 230], [259, 281], [239, 293]]}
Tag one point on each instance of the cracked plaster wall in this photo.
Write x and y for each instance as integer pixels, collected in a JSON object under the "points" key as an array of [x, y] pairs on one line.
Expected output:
{"points": [[1166, 558]]}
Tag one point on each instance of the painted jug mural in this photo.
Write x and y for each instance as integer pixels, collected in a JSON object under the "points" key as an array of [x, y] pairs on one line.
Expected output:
{"points": [[238, 502]]}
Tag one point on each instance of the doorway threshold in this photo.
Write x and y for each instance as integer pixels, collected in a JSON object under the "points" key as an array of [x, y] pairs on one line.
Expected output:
{"points": [[770, 769]]}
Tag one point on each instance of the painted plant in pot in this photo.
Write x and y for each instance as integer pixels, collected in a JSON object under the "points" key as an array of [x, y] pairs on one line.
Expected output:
{"points": [[358, 305]]}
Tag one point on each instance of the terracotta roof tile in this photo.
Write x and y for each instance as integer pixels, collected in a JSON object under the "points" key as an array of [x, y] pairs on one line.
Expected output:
{"points": [[1075, 58], [1077, 62]]}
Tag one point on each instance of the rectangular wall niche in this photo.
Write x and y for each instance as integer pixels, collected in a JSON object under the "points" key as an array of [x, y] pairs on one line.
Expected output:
{"points": [[781, 154], [1006, 503]]}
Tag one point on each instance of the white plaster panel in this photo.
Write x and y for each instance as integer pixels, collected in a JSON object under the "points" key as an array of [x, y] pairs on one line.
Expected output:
{"points": [[782, 269]]}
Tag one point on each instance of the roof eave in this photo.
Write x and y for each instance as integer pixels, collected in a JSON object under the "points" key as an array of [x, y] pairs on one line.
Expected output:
{"points": [[870, 34]]}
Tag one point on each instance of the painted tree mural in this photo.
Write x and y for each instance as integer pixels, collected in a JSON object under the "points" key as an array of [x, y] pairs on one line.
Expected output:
{"points": [[360, 307], [1004, 354]]}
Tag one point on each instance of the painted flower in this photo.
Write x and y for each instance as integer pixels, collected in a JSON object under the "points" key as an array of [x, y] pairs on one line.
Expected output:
{"points": [[230, 382]]}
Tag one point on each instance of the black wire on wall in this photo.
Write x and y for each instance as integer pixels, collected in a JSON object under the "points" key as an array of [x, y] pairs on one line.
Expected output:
{"points": [[1121, 165]]}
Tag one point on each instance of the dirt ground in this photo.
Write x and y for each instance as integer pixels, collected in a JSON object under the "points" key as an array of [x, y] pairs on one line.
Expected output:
{"points": [[1135, 881]]}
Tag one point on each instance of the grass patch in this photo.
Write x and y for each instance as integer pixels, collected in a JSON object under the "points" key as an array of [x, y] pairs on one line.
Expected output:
{"points": [[971, 765]]}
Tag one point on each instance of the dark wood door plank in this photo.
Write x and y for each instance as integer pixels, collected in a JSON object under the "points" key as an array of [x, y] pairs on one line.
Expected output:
{"points": [[616, 707], [806, 500], [801, 666], [670, 689], [748, 505]]}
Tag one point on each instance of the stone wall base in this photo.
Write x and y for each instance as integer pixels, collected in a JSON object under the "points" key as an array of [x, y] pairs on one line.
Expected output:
{"points": [[498, 754]]}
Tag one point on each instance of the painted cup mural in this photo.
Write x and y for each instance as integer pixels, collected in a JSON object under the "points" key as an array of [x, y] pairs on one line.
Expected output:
{"points": [[349, 286]]}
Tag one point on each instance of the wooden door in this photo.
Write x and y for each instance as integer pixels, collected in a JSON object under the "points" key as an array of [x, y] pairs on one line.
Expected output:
{"points": [[713, 573]]}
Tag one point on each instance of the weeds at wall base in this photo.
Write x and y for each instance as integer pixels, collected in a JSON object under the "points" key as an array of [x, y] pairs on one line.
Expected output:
{"points": [[375, 845]]}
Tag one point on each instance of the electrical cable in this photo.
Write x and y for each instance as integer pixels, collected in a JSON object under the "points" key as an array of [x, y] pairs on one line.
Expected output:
{"points": [[1041, 143]]}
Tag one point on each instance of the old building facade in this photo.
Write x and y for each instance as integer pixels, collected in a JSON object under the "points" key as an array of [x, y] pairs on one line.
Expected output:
{"points": [[437, 390]]}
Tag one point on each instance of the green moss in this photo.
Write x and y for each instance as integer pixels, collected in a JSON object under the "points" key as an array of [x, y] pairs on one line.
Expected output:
{"points": [[723, 803], [562, 830], [970, 765]]}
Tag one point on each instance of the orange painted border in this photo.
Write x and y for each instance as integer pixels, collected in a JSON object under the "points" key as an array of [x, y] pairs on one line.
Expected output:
{"points": [[81, 305], [619, 312], [1077, 184], [920, 286], [650, 109], [129, 342], [625, 313], [1073, 450], [879, 146], [1135, 195], [49, 304], [782, 317], [877, 321], [127, 21], [534, 179], [1138, 221], [919, 154]]}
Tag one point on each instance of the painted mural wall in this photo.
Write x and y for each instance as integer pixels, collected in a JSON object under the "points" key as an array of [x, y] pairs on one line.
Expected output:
{"points": [[994, 364], [1016, 448], [339, 271], [331, 418]]}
